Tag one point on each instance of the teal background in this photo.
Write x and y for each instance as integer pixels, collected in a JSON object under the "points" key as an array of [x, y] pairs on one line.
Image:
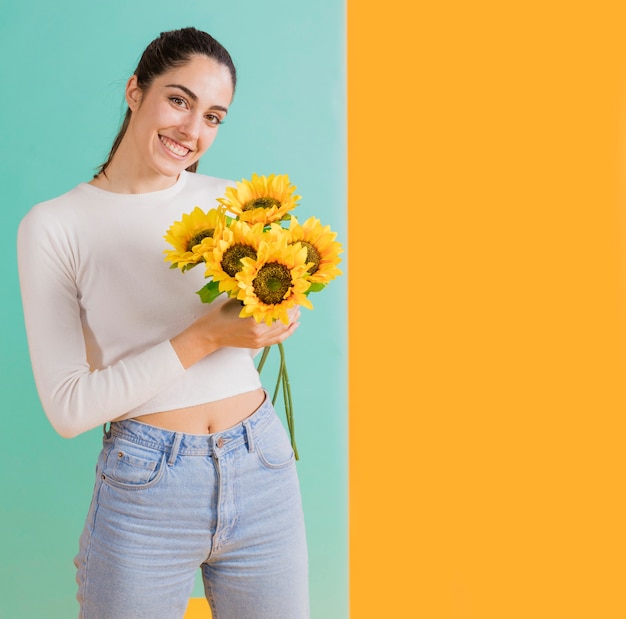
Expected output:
{"points": [[64, 66]]}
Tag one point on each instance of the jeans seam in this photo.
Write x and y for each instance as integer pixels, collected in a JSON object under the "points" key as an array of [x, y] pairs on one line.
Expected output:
{"points": [[143, 442], [92, 527], [208, 593]]}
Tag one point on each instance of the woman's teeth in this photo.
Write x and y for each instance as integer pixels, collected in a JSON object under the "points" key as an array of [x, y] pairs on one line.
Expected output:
{"points": [[174, 147]]}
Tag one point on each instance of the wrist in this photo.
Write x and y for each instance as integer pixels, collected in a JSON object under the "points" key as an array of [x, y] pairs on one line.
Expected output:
{"points": [[191, 346]]}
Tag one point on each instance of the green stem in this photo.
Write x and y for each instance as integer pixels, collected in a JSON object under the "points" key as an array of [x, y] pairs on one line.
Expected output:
{"points": [[279, 377], [283, 380], [288, 403], [266, 352]]}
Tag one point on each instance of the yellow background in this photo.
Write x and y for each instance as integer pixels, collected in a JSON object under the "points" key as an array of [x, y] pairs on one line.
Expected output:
{"points": [[487, 296]]}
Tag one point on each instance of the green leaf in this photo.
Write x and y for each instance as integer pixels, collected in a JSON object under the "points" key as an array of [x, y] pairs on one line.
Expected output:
{"points": [[209, 292], [315, 287], [189, 266]]}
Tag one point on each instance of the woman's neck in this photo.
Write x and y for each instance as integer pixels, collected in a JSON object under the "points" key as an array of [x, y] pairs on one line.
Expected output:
{"points": [[123, 175]]}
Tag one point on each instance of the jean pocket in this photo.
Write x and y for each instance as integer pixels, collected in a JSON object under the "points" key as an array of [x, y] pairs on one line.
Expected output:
{"points": [[129, 465], [273, 447]]}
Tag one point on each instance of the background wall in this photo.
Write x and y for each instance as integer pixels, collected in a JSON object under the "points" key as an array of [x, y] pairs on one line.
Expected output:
{"points": [[64, 66], [487, 322], [487, 413]]}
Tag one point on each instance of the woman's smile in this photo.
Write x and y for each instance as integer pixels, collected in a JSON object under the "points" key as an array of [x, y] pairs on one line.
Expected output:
{"points": [[174, 147]]}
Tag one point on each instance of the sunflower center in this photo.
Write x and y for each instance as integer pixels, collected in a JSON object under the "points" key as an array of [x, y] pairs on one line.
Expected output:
{"points": [[265, 202], [196, 239], [312, 255], [272, 282], [231, 260]]}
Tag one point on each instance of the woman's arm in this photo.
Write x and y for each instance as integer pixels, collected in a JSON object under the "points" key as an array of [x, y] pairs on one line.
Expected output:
{"points": [[75, 397]]}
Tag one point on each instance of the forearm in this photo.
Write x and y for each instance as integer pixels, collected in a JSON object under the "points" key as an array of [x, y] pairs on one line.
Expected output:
{"points": [[191, 346]]}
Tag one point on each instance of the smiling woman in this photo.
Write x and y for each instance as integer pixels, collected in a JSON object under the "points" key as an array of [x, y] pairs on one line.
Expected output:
{"points": [[174, 120], [194, 460]]}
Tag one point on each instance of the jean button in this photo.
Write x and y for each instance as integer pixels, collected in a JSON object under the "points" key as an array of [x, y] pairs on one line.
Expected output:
{"points": [[220, 442]]}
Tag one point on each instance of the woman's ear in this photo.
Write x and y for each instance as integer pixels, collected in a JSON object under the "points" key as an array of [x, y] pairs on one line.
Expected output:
{"points": [[133, 93]]}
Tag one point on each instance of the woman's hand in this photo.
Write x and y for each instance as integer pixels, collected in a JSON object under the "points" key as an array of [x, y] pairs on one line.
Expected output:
{"points": [[221, 326]]}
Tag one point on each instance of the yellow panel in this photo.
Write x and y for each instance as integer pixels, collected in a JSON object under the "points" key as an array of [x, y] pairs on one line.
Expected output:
{"points": [[487, 176], [198, 609]]}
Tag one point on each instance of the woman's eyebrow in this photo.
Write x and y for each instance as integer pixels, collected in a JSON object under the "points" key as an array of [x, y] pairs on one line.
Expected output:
{"points": [[194, 97], [189, 93]]}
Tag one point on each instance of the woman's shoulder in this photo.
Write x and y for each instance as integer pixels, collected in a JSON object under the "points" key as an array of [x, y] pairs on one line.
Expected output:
{"points": [[48, 223], [53, 208]]}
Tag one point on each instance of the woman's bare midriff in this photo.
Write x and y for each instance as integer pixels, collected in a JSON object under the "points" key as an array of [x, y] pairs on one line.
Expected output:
{"points": [[207, 418]]}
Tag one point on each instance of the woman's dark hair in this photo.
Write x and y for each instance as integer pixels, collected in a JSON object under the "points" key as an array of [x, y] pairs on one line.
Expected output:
{"points": [[170, 50]]}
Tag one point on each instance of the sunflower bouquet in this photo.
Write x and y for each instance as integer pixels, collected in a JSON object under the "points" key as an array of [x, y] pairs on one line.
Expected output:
{"points": [[255, 250]]}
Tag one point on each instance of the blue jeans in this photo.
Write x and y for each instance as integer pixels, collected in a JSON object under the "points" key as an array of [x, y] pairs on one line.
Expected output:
{"points": [[167, 503]]}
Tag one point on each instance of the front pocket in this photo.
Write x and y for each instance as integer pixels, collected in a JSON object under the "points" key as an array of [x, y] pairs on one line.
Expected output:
{"points": [[273, 446], [131, 465]]}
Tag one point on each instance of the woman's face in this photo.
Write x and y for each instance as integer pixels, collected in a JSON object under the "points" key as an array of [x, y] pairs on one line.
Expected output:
{"points": [[176, 119]]}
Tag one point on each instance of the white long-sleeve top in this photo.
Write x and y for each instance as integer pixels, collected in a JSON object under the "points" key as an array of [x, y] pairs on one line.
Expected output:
{"points": [[101, 304]]}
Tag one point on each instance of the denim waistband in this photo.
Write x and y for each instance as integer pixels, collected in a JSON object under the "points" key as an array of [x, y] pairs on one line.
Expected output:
{"points": [[180, 443]]}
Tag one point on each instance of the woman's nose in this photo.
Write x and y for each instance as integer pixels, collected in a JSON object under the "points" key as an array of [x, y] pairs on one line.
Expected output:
{"points": [[191, 126]]}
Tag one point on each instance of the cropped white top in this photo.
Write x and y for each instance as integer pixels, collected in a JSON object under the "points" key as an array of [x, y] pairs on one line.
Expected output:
{"points": [[101, 304]]}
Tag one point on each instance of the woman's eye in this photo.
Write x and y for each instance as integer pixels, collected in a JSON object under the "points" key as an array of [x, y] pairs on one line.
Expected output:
{"points": [[214, 119], [177, 101]]}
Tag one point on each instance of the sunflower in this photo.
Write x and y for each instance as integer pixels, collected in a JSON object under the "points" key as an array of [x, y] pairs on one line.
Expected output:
{"points": [[192, 237], [263, 199], [274, 282], [224, 260], [322, 249]]}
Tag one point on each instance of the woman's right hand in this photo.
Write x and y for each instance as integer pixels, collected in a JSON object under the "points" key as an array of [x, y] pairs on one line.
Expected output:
{"points": [[221, 326]]}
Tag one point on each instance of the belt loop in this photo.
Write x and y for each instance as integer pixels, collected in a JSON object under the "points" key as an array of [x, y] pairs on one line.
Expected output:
{"points": [[174, 450], [107, 433], [249, 436]]}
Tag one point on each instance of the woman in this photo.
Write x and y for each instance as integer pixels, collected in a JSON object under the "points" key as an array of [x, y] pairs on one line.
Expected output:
{"points": [[196, 470]]}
